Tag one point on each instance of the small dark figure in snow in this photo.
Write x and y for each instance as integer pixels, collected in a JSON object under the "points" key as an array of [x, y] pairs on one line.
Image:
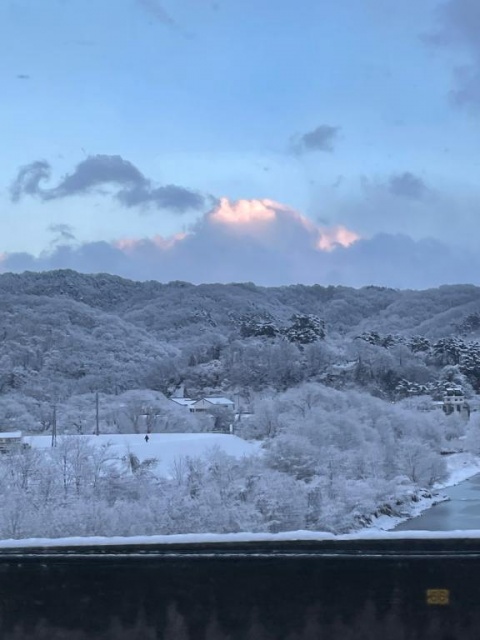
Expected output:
{"points": [[147, 438]]}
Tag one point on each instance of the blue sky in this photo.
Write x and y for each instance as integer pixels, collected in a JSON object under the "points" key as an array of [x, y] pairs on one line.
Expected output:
{"points": [[361, 114]]}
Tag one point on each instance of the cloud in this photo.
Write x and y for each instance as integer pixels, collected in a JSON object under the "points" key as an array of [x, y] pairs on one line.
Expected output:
{"points": [[273, 224], [458, 26], [155, 9], [245, 212], [322, 138], [63, 233], [401, 262], [94, 172], [384, 260], [268, 243], [400, 202], [338, 236], [177, 199], [28, 180], [99, 171], [258, 240], [265, 242], [23, 76], [407, 185]]}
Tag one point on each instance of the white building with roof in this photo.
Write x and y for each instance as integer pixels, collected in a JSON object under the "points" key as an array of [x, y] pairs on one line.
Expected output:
{"points": [[183, 402], [205, 404], [454, 401], [10, 440]]}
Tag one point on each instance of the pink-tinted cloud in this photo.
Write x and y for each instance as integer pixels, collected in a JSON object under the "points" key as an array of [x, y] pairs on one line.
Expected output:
{"points": [[259, 217], [335, 237], [129, 245], [268, 222], [245, 212]]}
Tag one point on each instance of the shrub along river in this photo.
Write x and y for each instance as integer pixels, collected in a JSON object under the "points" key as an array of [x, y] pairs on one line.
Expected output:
{"points": [[461, 511]]}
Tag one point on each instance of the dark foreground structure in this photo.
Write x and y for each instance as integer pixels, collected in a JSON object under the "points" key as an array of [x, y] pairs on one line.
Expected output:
{"points": [[296, 590]]}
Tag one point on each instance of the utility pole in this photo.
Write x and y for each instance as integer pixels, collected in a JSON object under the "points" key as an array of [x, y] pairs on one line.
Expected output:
{"points": [[54, 426], [97, 416]]}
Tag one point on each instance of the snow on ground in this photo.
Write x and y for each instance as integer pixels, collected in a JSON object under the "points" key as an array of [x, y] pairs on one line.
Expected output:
{"points": [[165, 447], [387, 523], [169, 447], [203, 538], [460, 467]]}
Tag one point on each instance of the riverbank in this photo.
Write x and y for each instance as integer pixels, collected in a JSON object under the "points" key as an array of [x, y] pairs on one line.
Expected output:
{"points": [[460, 467]]}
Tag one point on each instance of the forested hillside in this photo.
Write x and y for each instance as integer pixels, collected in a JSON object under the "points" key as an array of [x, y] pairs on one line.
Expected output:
{"points": [[64, 333], [330, 381]]}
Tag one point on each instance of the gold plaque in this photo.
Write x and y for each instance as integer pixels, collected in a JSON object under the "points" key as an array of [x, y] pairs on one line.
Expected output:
{"points": [[438, 596]]}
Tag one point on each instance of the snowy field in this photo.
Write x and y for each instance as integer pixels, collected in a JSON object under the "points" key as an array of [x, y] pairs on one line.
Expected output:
{"points": [[165, 447]]}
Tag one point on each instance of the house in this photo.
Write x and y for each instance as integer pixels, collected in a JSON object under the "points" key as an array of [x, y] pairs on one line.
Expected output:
{"points": [[217, 410], [454, 402], [207, 404], [10, 441], [204, 404], [183, 402]]}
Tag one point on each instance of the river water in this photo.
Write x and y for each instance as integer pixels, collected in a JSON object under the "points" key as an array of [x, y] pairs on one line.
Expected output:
{"points": [[462, 511]]}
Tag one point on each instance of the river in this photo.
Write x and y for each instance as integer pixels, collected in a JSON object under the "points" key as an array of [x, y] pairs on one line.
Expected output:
{"points": [[462, 511]]}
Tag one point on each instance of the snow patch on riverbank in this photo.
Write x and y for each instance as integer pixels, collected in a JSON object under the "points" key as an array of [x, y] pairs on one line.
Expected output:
{"points": [[460, 467], [410, 510]]}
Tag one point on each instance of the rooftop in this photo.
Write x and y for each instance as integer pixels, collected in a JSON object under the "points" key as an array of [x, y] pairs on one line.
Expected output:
{"points": [[184, 402], [220, 400]]}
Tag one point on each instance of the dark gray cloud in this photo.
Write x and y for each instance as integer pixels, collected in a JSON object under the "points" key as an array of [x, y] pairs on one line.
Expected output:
{"points": [[63, 232], [170, 196], [407, 185], [371, 208], [96, 171], [156, 10], [28, 180], [402, 201], [322, 138], [467, 86], [104, 170], [458, 25]]}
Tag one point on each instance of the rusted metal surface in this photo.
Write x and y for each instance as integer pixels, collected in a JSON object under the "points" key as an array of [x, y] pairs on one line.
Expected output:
{"points": [[365, 590]]}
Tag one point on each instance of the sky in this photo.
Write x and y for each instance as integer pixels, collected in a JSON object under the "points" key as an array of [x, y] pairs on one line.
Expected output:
{"points": [[330, 142]]}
